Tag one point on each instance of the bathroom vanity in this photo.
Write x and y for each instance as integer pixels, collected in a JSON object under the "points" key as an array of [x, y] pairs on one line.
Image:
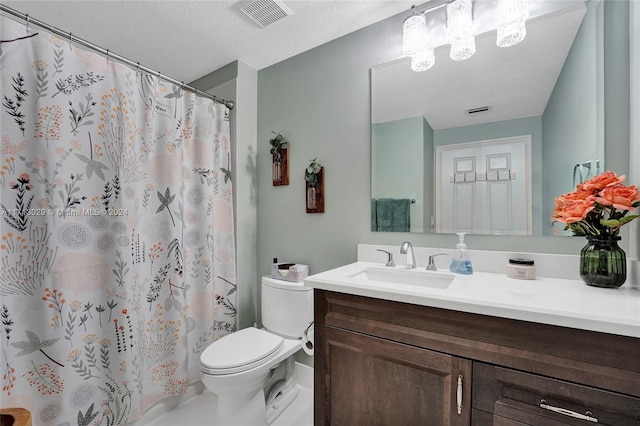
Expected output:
{"points": [[480, 350]]}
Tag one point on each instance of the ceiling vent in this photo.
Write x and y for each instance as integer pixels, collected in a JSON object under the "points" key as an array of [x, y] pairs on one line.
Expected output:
{"points": [[265, 12], [478, 110]]}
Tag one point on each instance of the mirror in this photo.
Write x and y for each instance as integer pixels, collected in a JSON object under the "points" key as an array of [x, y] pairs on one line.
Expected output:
{"points": [[484, 145]]}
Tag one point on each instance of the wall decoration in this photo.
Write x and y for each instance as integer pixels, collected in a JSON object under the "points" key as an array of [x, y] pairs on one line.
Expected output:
{"points": [[280, 164], [314, 178]]}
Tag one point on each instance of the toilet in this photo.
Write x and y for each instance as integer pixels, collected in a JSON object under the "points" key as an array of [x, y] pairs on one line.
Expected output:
{"points": [[252, 371]]}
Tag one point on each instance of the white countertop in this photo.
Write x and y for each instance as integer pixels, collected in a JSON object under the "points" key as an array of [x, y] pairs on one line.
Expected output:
{"points": [[555, 301]]}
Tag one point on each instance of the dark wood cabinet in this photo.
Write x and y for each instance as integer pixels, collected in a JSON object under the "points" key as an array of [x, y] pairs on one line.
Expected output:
{"points": [[380, 362], [373, 381]]}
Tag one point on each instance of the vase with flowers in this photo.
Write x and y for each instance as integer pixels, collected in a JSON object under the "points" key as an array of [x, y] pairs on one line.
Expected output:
{"points": [[279, 167], [597, 209], [313, 178]]}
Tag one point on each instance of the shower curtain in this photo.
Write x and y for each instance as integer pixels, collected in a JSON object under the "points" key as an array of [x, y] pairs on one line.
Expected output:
{"points": [[117, 252]]}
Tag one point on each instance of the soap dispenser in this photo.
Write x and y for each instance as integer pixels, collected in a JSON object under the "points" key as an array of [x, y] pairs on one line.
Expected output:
{"points": [[461, 264]]}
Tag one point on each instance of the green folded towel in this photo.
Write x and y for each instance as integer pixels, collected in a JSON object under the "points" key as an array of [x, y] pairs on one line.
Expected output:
{"points": [[391, 214]]}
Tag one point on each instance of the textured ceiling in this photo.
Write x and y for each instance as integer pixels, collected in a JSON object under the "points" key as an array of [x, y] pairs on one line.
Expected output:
{"points": [[188, 39], [515, 82]]}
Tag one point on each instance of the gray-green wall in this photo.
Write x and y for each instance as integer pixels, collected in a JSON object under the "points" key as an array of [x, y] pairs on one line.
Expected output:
{"points": [[398, 161], [321, 98], [572, 122], [429, 176]]}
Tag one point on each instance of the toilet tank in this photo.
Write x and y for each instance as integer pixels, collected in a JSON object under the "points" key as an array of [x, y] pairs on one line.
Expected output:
{"points": [[287, 307]]}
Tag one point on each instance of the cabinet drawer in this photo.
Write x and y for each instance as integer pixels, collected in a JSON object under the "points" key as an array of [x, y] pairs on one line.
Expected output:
{"points": [[537, 400]]}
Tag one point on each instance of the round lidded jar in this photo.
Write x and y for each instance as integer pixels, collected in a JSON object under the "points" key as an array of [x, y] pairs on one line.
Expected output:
{"points": [[521, 269]]}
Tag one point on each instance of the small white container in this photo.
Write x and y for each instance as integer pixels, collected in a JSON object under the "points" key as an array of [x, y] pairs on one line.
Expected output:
{"points": [[521, 269]]}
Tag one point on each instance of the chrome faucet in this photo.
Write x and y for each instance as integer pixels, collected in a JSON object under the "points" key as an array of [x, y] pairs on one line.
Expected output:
{"points": [[407, 248], [390, 261], [432, 264]]}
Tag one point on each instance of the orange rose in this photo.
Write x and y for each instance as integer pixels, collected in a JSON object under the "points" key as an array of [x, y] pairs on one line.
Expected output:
{"points": [[572, 196], [598, 183], [620, 197], [571, 211]]}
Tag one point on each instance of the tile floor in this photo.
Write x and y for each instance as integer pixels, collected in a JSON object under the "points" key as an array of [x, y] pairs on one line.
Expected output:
{"points": [[196, 411]]}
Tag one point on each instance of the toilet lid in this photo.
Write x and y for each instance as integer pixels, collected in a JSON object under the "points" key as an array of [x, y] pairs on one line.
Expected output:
{"points": [[240, 351]]}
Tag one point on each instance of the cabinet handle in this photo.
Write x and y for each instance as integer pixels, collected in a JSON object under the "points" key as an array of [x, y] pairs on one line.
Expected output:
{"points": [[459, 394], [588, 416]]}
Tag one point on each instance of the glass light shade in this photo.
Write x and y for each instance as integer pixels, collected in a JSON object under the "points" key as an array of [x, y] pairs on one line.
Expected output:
{"points": [[414, 34], [463, 49], [460, 30], [423, 60], [512, 15]]}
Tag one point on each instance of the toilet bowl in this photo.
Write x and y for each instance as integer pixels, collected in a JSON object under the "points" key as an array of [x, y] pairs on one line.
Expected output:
{"points": [[252, 371]]}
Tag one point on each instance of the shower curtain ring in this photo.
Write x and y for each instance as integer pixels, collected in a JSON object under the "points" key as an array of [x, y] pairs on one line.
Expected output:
{"points": [[138, 67], [70, 40], [107, 56], [28, 18]]}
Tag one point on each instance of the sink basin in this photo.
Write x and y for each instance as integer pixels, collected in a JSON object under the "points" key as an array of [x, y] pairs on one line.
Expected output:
{"points": [[412, 277]]}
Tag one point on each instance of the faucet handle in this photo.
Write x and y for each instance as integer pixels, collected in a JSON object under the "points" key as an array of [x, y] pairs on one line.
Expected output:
{"points": [[432, 264], [390, 261]]}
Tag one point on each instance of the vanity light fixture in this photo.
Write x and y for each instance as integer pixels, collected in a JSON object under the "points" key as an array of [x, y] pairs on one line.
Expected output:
{"points": [[512, 15], [460, 30]]}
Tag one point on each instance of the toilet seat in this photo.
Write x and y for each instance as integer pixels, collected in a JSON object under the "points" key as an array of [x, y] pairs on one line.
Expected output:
{"points": [[240, 351]]}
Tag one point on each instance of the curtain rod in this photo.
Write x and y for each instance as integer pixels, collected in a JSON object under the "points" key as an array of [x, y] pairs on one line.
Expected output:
{"points": [[110, 55]]}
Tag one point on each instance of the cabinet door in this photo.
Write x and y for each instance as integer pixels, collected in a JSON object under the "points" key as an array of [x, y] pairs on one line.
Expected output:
{"points": [[365, 380], [529, 399]]}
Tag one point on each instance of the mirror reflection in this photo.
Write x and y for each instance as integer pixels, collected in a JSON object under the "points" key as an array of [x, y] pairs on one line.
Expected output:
{"points": [[484, 145]]}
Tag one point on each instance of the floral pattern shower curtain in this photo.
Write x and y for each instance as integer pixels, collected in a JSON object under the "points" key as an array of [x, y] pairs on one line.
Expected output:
{"points": [[117, 253]]}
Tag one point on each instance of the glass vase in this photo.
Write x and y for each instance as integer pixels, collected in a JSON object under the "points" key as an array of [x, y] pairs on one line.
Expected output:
{"points": [[312, 203], [277, 171], [602, 262]]}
